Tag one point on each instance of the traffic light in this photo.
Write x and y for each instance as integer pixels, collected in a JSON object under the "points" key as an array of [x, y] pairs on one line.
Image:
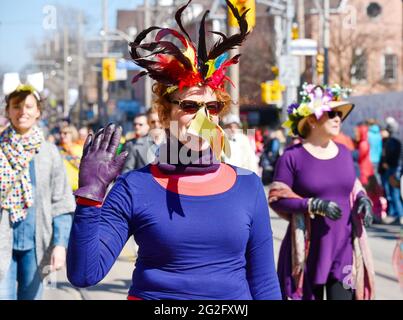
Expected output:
{"points": [[275, 71], [271, 92], [265, 91], [276, 91], [294, 31], [242, 6], [109, 69], [320, 63]]}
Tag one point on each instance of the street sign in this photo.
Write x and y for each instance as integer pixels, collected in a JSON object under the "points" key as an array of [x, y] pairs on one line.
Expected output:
{"points": [[121, 74], [289, 71], [127, 64], [304, 47]]}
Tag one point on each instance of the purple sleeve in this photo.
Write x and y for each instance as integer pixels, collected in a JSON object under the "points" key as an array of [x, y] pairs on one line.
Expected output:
{"points": [[260, 265], [98, 236], [284, 172]]}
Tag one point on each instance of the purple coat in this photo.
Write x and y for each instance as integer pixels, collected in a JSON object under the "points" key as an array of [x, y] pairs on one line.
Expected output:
{"points": [[331, 249]]}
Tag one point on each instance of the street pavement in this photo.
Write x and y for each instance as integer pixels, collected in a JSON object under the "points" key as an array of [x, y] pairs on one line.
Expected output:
{"points": [[382, 240]]}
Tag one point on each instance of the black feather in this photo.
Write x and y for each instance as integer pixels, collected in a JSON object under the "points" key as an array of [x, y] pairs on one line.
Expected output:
{"points": [[141, 36], [222, 35], [202, 48], [178, 18]]}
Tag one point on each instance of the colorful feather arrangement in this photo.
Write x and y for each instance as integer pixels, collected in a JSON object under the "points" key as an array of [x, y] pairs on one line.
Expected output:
{"points": [[182, 67]]}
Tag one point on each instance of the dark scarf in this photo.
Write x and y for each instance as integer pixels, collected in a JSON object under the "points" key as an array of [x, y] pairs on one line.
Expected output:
{"points": [[175, 158]]}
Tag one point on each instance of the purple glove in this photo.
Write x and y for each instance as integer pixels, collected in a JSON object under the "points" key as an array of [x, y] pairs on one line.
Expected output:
{"points": [[99, 165]]}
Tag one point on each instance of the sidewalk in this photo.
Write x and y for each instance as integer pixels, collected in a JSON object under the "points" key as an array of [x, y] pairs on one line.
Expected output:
{"points": [[113, 287]]}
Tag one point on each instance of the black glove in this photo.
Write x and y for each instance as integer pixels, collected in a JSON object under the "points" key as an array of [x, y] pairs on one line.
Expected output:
{"points": [[365, 207], [325, 208]]}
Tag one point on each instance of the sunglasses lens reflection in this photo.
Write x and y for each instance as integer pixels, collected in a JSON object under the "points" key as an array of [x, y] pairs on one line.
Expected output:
{"points": [[189, 106], [333, 114]]}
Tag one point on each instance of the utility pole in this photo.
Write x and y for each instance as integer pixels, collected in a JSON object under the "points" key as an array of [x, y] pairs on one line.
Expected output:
{"points": [[147, 82], [66, 107], [326, 40], [301, 28], [105, 51], [80, 65], [291, 91], [234, 76], [278, 34]]}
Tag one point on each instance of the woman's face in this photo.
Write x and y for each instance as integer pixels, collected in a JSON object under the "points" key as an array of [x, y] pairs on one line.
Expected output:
{"points": [[66, 136], [326, 126], [23, 115], [180, 120]]}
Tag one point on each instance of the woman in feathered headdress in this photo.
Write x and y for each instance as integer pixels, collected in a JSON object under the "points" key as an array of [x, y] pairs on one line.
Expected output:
{"points": [[202, 226]]}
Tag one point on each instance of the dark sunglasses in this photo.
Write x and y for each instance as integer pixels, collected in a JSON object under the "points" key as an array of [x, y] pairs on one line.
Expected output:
{"points": [[190, 106], [333, 114]]}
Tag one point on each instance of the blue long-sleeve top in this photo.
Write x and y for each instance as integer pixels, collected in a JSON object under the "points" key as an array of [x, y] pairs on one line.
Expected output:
{"points": [[190, 247]]}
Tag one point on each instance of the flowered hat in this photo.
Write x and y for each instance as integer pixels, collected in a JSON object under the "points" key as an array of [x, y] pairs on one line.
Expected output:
{"points": [[184, 65], [316, 100]]}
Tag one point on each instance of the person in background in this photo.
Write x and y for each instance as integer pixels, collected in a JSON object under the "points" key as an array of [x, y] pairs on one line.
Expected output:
{"points": [[315, 188], [259, 142], [83, 133], [140, 127], [379, 202], [345, 140], [157, 131], [397, 259], [71, 153], [36, 202], [242, 153], [391, 154], [375, 145], [364, 160], [142, 151], [269, 156]]}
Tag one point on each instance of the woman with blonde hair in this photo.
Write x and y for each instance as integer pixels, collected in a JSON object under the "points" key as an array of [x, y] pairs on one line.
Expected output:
{"points": [[71, 153], [202, 227]]}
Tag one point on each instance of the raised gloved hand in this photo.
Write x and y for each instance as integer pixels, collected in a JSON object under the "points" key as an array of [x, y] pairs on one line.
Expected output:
{"points": [[100, 165], [324, 208], [364, 207]]}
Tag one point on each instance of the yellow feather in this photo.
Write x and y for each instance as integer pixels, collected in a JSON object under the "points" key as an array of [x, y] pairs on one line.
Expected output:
{"points": [[191, 55], [211, 67]]}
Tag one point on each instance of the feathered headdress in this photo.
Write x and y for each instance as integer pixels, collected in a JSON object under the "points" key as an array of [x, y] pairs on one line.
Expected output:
{"points": [[178, 68]]}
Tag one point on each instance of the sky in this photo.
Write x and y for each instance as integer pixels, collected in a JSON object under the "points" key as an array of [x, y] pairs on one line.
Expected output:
{"points": [[22, 21]]}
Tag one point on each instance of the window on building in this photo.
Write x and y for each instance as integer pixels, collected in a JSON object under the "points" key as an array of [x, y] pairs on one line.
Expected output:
{"points": [[359, 66], [389, 67]]}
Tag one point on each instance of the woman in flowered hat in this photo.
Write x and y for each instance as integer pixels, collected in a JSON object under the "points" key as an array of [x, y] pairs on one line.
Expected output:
{"points": [[202, 227], [36, 203], [316, 189]]}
